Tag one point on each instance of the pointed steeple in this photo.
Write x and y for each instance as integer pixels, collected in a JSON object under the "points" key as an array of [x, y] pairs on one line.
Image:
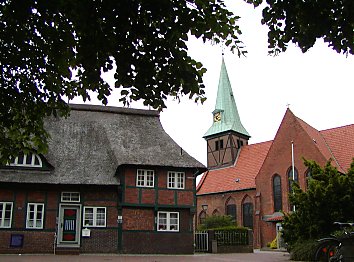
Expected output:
{"points": [[225, 115]]}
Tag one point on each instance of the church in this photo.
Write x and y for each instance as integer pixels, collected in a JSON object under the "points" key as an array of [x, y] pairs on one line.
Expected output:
{"points": [[251, 182]]}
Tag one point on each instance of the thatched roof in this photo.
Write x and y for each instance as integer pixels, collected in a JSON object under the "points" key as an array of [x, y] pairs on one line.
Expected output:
{"points": [[89, 146]]}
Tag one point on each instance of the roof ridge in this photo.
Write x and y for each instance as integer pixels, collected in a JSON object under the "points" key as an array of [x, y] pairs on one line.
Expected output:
{"points": [[113, 109]]}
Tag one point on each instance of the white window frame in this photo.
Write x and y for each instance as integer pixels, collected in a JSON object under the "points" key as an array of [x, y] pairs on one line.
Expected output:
{"points": [[3, 213], [168, 221], [36, 216], [70, 197], [94, 216], [145, 178], [176, 180], [15, 162]]}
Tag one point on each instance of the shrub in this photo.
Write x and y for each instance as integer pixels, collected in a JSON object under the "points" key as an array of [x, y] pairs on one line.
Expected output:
{"points": [[303, 250], [213, 222]]}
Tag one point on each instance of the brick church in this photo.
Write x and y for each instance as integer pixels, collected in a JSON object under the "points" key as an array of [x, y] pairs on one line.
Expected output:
{"points": [[251, 182]]}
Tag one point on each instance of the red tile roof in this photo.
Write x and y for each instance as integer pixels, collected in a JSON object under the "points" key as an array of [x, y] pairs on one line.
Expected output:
{"points": [[341, 143], [318, 140], [275, 218], [238, 177]]}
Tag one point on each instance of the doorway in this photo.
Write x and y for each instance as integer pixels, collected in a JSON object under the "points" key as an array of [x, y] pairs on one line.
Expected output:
{"points": [[69, 225]]}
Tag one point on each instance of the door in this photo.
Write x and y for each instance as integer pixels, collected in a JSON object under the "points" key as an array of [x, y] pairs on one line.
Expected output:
{"points": [[69, 225]]}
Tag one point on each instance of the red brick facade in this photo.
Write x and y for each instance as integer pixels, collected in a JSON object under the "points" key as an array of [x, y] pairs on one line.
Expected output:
{"points": [[138, 207], [43, 240]]}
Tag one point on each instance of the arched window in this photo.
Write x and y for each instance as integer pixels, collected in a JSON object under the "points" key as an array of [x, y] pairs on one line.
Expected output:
{"points": [[216, 212], [247, 212], [308, 176], [230, 208], [26, 160], [202, 217], [277, 194], [292, 178]]}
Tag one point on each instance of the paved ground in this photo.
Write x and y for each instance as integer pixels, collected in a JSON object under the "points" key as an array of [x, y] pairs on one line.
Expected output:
{"points": [[257, 256]]}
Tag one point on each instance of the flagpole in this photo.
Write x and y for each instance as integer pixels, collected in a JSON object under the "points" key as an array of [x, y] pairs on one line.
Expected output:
{"points": [[293, 164]]}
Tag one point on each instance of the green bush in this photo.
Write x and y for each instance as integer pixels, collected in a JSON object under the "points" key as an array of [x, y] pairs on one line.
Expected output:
{"points": [[214, 222], [303, 250]]}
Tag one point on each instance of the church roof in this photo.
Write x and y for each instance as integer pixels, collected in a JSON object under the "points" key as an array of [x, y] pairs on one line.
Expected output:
{"points": [[240, 176], [89, 146], [335, 143], [226, 105]]}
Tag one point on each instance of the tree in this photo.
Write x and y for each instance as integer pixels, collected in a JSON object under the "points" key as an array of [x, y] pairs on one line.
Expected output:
{"points": [[52, 51], [329, 198], [303, 22]]}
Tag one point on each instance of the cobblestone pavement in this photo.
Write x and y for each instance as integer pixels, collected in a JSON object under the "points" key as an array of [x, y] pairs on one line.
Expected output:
{"points": [[257, 256]]}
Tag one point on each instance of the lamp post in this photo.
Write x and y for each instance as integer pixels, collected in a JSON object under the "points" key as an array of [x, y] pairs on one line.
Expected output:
{"points": [[205, 207]]}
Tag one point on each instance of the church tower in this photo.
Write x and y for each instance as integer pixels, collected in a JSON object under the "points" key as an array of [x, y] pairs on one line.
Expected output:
{"points": [[226, 135]]}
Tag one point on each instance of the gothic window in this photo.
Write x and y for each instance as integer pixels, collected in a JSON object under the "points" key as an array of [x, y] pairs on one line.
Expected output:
{"points": [[230, 208], [202, 217], [277, 193], [247, 212], [216, 212], [292, 178], [308, 176]]}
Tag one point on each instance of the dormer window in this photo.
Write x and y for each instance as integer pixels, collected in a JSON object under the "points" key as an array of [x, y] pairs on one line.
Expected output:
{"points": [[26, 160]]}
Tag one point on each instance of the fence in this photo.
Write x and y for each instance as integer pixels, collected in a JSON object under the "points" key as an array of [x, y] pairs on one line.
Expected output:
{"points": [[201, 241], [231, 238], [219, 241]]}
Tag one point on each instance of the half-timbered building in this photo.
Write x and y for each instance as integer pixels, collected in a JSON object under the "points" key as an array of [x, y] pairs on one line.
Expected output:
{"points": [[112, 181]]}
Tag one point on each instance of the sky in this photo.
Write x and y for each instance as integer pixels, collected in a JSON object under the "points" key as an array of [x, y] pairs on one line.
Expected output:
{"points": [[317, 86]]}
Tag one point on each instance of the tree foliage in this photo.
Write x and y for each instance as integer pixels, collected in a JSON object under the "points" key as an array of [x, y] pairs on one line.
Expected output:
{"points": [[51, 51], [329, 198], [303, 22]]}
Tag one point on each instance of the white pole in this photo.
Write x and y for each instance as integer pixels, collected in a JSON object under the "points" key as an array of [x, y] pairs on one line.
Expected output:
{"points": [[292, 160], [293, 164]]}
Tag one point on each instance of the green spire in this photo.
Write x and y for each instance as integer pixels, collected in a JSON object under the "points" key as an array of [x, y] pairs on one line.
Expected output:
{"points": [[226, 106]]}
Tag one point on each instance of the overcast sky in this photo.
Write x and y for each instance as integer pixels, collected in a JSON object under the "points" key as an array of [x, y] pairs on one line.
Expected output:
{"points": [[317, 85]]}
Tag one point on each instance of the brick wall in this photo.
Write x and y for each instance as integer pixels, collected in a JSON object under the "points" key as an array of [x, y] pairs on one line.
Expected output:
{"points": [[138, 219], [218, 202], [278, 161], [42, 240]]}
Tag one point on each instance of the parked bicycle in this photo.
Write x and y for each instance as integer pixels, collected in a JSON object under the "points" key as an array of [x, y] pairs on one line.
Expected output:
{"points": [[334, 248]]}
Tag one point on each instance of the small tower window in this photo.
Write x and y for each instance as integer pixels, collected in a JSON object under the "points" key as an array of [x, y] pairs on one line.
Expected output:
{"points": [[219, 144]]}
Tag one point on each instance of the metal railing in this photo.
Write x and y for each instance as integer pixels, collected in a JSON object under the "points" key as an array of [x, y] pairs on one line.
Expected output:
{"points": [[231, 238]]}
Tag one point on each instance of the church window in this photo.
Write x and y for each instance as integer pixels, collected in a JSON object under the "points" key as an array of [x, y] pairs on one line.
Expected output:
{"points": [[231, 209], [308, 176], [277, 194], [202, 217], [247, 212], [292, 178]]}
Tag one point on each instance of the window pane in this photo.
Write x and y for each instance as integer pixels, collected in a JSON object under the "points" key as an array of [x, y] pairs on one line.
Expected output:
{"points": [[20, 159], [28, 159], [36, 160]]}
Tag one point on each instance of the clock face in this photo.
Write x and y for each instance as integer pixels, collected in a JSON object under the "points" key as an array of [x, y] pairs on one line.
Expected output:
{"points": [[217, 117]]}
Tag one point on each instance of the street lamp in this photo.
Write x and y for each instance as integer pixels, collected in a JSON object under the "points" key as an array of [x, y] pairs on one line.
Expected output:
{"points": [[205, 207]]}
